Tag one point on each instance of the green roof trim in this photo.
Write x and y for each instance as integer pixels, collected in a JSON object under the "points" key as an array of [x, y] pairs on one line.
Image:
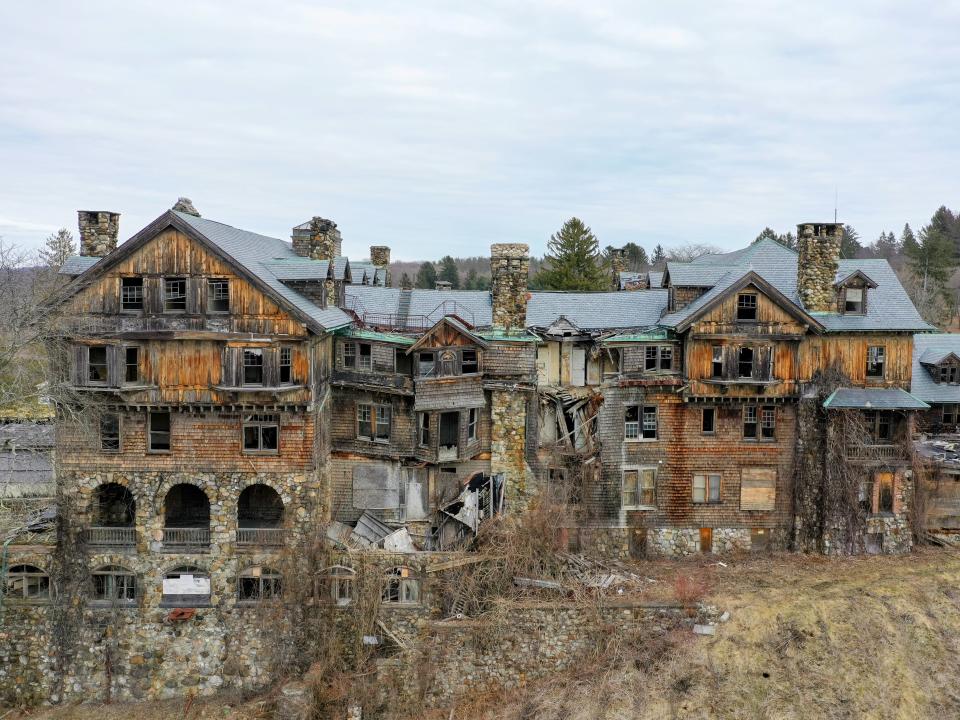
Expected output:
{"points": [[651, 335], [362, 334]]}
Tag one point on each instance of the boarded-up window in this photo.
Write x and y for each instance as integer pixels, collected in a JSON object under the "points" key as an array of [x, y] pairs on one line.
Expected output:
{"points": [[376, 487], [578, 366], [758, 488]]}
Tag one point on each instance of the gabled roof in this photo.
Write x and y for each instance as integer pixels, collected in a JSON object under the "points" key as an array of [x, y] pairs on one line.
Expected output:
{"points": [[597, 310], [457, 325], [856, 275], [926, 347], [248, 253], [873, 399], [76, 264], [935, 356]]}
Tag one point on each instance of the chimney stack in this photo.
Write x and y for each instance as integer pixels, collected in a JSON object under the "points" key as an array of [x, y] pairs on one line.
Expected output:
{"points": [[98, 232], [185, 205], [818, 245], [317, 239], [618, 264], [380, 256], [509, 266]]}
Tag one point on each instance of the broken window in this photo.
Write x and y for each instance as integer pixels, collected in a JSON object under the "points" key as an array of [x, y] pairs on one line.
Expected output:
{"points": [[716, 363], [26, 582], [879, 425], [449, 429], [97, 365], [349, 355], [884, 483], [218, 296], [402, 363], [469, 362], [252, 366], [631, 423], [640, 422], [745, 362], [401, 587], [185, 586], [639, 488], [426, 364], [853, 300], [286, 366], [666, 357], [658, 357], [158, 437], [364, 356], [423, 425], [746, 306], [114, 506], [261, 433], [373, 422], [258, 584], [948, 374], [706, 488], [649, 429], [759, 422], [875, 358], [768, 422], [472, 416], [131, 294], [750, 421], [131, 364], [335, 585], [948, 413], [110, 432], [708, 420], [650, 358], [174, 294], [114, 585]]}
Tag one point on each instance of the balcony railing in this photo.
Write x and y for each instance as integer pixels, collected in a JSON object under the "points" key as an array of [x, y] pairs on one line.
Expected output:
{"points": [[263, 537], [186, 538], [111, 536], [875, 452]]}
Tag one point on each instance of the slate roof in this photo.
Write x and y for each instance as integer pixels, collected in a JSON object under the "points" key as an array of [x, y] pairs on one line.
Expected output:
{"points": [[873, 399], [656, 278], [888, 306], [926, 347], [474, 306], [597, 310], [26, 463], [76, 264]]}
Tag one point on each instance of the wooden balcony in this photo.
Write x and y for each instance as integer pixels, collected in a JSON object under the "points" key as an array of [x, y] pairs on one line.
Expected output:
{"points": [[111, 537], [261, 537], [186, 539], [875, 453]]}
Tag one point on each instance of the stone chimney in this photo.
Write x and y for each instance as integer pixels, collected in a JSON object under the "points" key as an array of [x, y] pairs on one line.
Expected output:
{"points": [[380, 256], [509, 265], [818, 245], [317, 239], [185, 205], [618, 264], [98, 232]]}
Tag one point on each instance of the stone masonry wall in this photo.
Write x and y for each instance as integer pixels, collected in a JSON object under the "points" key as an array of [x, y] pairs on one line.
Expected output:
{"points": [[819, 249], [509, 265], [98, 232]]}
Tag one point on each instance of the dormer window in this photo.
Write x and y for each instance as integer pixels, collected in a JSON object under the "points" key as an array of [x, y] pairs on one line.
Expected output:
{"points": [[746, 306], [949, 373], [854, 300]]}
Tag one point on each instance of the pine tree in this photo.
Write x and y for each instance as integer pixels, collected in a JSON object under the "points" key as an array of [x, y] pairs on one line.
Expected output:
{"points": [[448, 271], [59, 247], [931, 261], [427, 276], [573, 260], [767, 234], [908, 241], [636, 257], [659, 258], [788, 240], [850, 246], [405, 282]]}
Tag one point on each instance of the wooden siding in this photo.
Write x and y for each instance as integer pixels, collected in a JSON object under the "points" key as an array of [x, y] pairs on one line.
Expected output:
{"points": [[849, 352]]}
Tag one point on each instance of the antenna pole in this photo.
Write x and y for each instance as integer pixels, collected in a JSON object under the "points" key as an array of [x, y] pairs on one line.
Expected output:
{"points": [[836, 194]]}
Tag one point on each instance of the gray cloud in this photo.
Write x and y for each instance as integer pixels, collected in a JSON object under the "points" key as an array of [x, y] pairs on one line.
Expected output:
{"points": [[439, 127]]}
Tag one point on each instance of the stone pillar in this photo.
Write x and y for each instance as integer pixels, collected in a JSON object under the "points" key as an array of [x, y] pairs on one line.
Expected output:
{"points": [[509, 266], [185, 205], [618, 263], [318, 240], [380, 256], [818, 245], [508, 442], [98, 232]]}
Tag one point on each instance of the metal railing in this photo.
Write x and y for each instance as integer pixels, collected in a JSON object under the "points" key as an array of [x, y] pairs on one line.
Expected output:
{"points": [[111, 536], [177, 538], [264, 537]]}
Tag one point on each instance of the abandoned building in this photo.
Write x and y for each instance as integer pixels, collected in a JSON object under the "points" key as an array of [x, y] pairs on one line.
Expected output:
{"points": [[247, 393]]}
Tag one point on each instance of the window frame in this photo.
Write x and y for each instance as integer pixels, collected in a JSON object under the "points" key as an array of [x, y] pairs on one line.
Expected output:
{"points": [[713, 420], [859, 306], [257, 367], [423, 429], [348, 356], [881, 506], [105, 365], [262, 577], [110, 573], [752, 362], [876, 368], [127, 365], [747, 304], [473, 421], [763, 419], [44, 584], [433, 364], [285, 362], [261, 422], [212, 296], [952, 413], [475, 363], [332, 581], [716, 362], [140, 304], [179, 299], [405, 579], [374, 412], [712, 491], [105, 418], [642, 488], [948, 374], [151, 432]]}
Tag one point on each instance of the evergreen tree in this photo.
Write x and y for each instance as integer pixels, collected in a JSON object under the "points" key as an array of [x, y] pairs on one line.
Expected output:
{"points": [[767, 234], [573, 260], [788, 240], [405, 282], [931, 260], [636, 257], [427, 276], [850, 246], [886, 246], [659, 258], [59, 247], [908, 241], [448, 272]]}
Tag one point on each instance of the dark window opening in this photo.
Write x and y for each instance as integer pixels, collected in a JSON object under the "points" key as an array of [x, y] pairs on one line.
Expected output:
{"points": [[114, 584], [424, 430], [948, 414], [403, 363], [750, 422], [768, 423], [649, 429], [364, 356], [469, 362], [707, 420], [716, 364], [131, 367], [26, 582], [948, 374], [186, 506], [879, 425], [159, 431], [650, 358], [174, 295], [472, 416], [131, 293], [259, 506], [350, 355], [261, 433], [218, 296], [259, 584], [885, 492], [286, 366], [426, 364], [401, 587], [97, 365], [252, 367], [110, 432], [876, 354], [373, 422], [449, 429], [113, 506], [666, 358], [745, 362], [746, 307], [853, 300]]}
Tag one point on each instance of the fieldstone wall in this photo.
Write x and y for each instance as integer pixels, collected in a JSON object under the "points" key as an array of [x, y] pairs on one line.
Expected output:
{"points": [[674, 542], [819, 248], [508, 444], [321, 242], [98, 232], [509, 265]]}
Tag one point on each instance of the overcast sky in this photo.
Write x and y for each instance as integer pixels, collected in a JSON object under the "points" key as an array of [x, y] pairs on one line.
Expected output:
{"points": [[436, 129]]}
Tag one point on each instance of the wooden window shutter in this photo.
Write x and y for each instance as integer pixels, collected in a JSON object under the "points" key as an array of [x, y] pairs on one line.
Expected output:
{"points": [[152, 295], [271, 367], [731, 362], [115, 365], [230, 365], [758, 488], [763, 364], [111, 300], [80, 357], [195, 287]]}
